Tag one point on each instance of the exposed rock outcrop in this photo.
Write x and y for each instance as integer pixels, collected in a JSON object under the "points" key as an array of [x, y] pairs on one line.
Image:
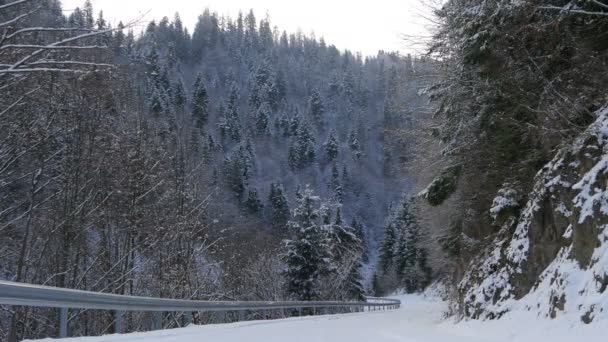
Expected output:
{"points": [[552, 256]]}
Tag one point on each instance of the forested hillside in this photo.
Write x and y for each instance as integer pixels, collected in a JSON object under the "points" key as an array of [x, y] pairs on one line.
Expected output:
{"points": [[232, 162], [241, 162]]}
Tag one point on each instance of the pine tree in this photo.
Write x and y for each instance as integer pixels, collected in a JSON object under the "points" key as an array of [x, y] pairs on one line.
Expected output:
{"points": [[76, 18], [354, 283], [355, 145], [410, 258], [302, 149], [156, 104], [332, 146], [89, 17], [387, 248], [360, 232], [346, 181], [251, 35], [334, 184], [346, 253], [344, 240], [317, 109], [262, 120], [230, 126], [253, 203], [294, 125], [179, 95], [278, 206], [264, 90], [238, 170], [200, 103], [308, 254], [195, 144], [266, 37]]}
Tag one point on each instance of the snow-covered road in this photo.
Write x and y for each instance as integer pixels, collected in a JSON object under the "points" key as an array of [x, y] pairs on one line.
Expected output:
{"points": [[419, 319]]}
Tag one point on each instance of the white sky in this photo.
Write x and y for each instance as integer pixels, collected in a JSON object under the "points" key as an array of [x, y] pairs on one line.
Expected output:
{"points": [[359, 25]]}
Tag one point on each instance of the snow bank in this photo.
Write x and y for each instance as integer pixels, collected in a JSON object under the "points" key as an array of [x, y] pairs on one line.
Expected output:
{"points": [[419, 320]]}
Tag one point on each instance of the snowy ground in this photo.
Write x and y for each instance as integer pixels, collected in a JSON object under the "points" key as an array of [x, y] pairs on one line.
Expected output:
{"points": [[419, 319]]}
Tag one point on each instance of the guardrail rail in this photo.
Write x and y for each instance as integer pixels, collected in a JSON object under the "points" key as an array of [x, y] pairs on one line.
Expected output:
{"points": [[20, 294]]}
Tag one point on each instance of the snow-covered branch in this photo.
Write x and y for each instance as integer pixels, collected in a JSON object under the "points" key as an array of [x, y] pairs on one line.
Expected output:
{"points": [[589, 8], [599, 3], [31, 70], [14, 3], [46, 29], [17, 18], [51, 62], [30, 62], [49, 47]]}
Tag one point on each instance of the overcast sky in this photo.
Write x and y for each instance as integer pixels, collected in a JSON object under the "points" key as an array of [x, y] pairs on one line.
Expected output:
{"points": [[359, 25]]}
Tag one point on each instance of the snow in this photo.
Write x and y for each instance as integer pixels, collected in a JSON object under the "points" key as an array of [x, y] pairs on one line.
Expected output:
{"points": [[421, 318], [590, 195], [506, 198], [565, 289]]}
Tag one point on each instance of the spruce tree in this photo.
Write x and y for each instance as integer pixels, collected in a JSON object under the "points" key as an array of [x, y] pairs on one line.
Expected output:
{"points": [[262, 119], [294, 125], [347, 253], [238, 169], [254, 204], [278, 206], [230, 125], [354, 283], [387, 248], [302, 149], [355, 145], [334, 184], [156, 104], [411, 264], [317, 109], [360, 232], [307, 256], [200, 103], [332, 146], [179, 95]]}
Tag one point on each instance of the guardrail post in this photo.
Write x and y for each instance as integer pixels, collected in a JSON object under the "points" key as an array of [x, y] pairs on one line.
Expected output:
{"points": [[63, 322], [188, 317], [157, 321], [220, 317], [241, 316], [118, 322]]}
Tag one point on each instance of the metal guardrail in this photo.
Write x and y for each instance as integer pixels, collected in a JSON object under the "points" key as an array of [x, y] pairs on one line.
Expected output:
{"points": [[20, 294]]}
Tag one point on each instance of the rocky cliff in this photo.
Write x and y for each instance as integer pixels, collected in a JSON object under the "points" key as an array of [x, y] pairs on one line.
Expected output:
{"points": [[551, 252]]}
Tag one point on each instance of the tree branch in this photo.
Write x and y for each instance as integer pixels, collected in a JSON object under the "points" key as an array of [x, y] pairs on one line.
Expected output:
{"points": [[45, 29], [48, 47], [31, 70], [601, 4], [66, 41], [14, 3], [16, 19], [71, 63], [575, 11]]}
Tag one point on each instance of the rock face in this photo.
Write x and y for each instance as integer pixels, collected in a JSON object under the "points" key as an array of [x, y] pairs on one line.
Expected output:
{"points": [[552, 255]]}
